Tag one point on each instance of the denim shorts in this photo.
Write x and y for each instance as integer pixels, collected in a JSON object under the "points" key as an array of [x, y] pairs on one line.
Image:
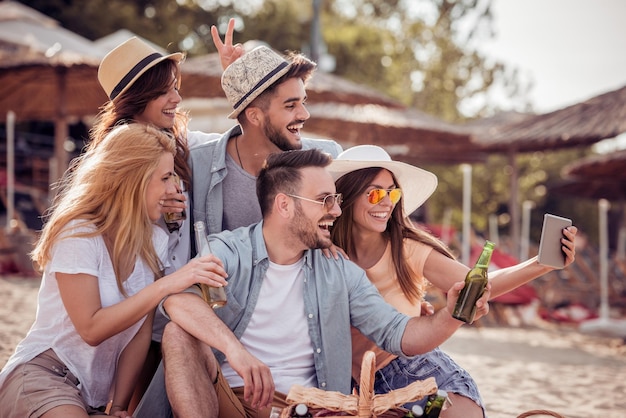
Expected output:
{"points": [[449, 376]]}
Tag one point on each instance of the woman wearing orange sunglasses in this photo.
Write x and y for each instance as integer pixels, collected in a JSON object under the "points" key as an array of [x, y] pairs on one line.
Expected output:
{"points": [[399, 259]]}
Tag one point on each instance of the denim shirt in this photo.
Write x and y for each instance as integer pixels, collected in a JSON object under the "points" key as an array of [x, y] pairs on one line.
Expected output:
{"points": [[337, 294], [208, 170]]}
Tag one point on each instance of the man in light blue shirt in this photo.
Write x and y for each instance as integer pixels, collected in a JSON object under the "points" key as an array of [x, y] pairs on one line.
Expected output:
{"points": [[289, 308]]}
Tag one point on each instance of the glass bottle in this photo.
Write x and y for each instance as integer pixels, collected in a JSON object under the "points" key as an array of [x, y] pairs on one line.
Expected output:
{"points": [[301, 410], [276, 412], [475, 282], [214, 296], [435, 404], [415, 412], [174, 219]]}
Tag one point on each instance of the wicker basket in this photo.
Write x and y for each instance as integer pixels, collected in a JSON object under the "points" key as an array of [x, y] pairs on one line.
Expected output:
{"points": [[364, 404], [540, 412]]}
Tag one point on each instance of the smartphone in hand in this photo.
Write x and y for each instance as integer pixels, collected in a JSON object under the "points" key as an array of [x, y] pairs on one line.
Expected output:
{"points": [[550, 252]]}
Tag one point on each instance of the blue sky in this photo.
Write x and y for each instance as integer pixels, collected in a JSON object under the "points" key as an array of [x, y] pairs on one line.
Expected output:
{"points": [[572, 49]]}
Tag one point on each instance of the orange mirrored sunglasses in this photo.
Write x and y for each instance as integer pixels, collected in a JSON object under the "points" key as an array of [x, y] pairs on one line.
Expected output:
{"points": [[374, 196]]}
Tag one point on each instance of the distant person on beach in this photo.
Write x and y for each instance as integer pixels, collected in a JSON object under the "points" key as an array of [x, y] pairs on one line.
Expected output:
{"points": [[401, 261], [101, 255]]}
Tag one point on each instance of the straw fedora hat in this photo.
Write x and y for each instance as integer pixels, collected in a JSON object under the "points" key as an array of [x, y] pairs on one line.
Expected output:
{"points": [[417, 184], [250, 75], [121, 67]]}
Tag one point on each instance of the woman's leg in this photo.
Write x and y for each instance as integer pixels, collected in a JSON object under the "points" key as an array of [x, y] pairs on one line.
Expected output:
{"points": [[450, 377], [42, 387], [66, 411], [153, 358]]}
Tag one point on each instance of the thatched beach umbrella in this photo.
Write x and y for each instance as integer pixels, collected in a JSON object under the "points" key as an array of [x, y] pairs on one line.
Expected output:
{"points": [[46, 73], [609, 166], [407, 134], [581, 124], [202, 79], [599, 177]]}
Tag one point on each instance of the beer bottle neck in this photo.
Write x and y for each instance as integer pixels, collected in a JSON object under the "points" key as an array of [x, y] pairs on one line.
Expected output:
{"points": [[485, 256]]}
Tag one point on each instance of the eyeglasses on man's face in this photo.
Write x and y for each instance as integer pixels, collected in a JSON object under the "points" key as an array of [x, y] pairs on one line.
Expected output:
{"points": [[375, 196], [329, 201]]}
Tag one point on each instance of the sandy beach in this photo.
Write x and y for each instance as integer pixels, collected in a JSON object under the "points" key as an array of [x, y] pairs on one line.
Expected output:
{"points": [[517, 369]]}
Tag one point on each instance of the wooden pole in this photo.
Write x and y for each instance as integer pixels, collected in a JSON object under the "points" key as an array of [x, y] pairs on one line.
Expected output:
{"points": [[10, 168]]}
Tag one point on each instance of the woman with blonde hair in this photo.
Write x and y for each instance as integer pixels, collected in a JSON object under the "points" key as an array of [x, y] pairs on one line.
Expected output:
{"points": [[143, 87], [101, 255], [401, 260]]}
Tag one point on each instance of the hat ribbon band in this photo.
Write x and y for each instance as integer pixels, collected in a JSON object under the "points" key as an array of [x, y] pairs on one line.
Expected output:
{"points": [[261, 82], [132, 73]]}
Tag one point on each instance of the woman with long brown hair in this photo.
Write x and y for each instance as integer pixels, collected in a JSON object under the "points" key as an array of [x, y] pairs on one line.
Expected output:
{"points": [[401, 260]]}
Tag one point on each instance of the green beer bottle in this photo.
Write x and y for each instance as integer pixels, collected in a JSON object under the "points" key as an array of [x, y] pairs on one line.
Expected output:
{"points": [[435, 404], [475, 283]]}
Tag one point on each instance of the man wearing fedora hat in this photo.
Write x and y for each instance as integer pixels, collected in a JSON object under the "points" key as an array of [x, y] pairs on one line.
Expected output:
{"points": [[290, 307], [267, 95]]}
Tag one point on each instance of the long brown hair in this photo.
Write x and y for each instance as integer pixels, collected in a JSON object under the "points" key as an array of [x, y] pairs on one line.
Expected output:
{"points": [[399, 228], [123, 109]]}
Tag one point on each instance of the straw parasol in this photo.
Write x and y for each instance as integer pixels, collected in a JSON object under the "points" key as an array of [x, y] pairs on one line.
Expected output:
{"points": [[353, 114], [202, 78], [407, 134], [581, 124], [601, 176], [50, 73], [610, 166], [46, 72], [585, 123]]}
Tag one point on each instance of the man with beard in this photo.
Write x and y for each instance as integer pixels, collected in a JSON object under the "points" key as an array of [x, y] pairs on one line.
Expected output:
{"points": [[267, 93], [290, 307]]}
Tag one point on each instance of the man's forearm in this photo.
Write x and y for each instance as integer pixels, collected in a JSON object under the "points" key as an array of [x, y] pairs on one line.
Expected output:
{"points": [[425, 333], [196, 317]]}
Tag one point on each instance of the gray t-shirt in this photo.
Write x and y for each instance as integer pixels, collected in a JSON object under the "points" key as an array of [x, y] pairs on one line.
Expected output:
{"points": [[241, 206]]}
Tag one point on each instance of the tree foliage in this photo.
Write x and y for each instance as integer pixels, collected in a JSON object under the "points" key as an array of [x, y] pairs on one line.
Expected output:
{"points": [[424, 53], [491, 191]]}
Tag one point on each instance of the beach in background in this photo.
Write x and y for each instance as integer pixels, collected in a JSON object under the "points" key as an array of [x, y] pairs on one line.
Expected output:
{"points": [[517, 369]]}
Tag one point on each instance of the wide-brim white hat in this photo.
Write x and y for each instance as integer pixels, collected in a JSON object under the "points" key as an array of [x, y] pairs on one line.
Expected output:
{"points": [[121, 67], [250, 75], [417, 184]]}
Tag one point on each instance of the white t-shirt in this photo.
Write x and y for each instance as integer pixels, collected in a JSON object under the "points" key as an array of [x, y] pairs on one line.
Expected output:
{"points": [[93, 366], [278, 332]]}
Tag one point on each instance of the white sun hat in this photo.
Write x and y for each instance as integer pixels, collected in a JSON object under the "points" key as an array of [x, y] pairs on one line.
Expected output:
{"points": [[417, 184]]}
